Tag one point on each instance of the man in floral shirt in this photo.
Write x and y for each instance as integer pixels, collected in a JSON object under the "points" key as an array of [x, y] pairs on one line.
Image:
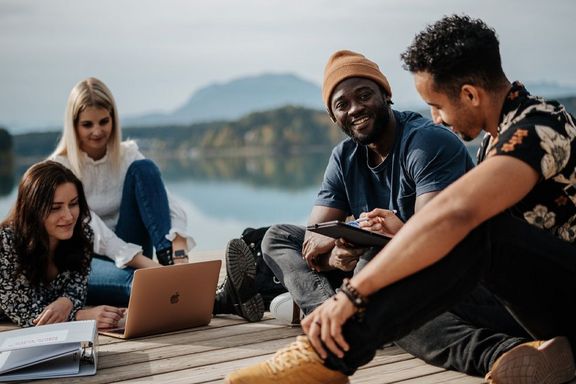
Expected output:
{"points": [[541, 134], [464, 236]]}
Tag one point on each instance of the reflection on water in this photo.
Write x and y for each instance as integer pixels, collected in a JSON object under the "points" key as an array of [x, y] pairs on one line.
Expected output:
{"points": [[224, 195], [282, 172], [6, 172]]}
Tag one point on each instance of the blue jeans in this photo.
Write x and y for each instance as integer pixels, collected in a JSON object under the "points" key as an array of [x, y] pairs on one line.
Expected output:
{"points": [[528, 269], [144, 219], [108, 284], [282, 251]]}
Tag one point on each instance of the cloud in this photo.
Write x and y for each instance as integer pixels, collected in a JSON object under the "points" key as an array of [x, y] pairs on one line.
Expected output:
{"points": [[154, 54]]}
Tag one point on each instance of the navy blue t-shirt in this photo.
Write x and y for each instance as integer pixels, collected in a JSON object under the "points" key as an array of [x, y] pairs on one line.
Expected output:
{"points": [[425, 158]]}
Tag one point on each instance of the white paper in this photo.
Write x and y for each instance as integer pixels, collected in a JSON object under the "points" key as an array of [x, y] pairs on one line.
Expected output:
{"points": [[20, 358], [35, 340]]}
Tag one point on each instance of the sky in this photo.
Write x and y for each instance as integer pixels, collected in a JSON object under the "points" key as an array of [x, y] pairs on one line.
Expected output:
{"points": [[153, 54]]}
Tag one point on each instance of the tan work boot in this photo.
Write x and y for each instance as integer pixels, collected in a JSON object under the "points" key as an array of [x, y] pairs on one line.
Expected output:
{"points": [[296, 364], [535, 362]]}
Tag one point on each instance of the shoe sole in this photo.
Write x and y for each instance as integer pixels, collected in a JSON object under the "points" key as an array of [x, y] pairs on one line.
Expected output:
{"points": [[253, 309], [551, 363], [241, 264]]}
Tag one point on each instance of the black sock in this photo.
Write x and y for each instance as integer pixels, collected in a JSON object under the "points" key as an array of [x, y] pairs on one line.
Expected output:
{"points": [[223, 305]]}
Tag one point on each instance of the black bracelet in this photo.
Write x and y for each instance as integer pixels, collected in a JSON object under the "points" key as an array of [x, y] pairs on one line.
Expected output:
{"points": [[165, 256], [355, 297]]}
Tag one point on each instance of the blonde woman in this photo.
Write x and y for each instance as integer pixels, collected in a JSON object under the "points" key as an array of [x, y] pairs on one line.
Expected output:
{"points": [[132, 213]]}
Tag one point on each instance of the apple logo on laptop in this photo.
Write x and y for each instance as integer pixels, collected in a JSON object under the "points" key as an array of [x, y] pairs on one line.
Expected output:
{"points": [[175, 298]]}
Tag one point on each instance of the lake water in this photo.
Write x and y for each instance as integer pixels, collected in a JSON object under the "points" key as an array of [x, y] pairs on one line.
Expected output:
{"points": [[224, 195]]}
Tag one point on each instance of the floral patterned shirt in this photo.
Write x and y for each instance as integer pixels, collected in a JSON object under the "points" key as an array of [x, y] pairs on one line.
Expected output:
{"points": [[19, 301], [543, 135]]}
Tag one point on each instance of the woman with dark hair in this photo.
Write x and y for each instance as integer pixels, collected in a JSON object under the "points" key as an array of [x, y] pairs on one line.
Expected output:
{"points": [[45, 252]]}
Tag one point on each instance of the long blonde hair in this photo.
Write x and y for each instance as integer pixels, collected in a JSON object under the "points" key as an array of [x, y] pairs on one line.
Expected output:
{"points": [[90, 92]]}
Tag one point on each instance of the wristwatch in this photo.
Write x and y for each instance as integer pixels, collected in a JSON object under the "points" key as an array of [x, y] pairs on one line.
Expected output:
{"points": [[180, 254]]}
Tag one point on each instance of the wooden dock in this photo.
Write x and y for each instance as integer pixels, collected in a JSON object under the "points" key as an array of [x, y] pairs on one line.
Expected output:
{"points": [[207, 354]]}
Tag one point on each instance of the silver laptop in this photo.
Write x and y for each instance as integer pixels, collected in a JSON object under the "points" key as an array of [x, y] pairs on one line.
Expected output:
{"points": [[169, 298]]}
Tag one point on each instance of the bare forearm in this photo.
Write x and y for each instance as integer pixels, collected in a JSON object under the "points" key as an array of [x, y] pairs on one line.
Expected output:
{"points": [[141, 261], [179, 243], [416, 246], [446, 220]]}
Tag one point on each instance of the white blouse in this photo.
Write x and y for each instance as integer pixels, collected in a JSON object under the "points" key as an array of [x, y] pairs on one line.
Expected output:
{"points": [[103, 188]]}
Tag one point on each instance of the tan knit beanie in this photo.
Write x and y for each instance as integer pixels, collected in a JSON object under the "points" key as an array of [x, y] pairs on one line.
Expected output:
{"points": [[344, 64]]}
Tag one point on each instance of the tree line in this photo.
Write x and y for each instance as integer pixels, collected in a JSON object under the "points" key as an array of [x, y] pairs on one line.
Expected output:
{"points": [[284, 130], [275, 131]]}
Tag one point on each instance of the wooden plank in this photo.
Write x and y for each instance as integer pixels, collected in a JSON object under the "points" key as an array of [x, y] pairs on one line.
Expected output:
{"points": [[213, 373], [7, 326], [111, 344], [394, 372], [445, 377], [193, 358], [207, 354], [190, 345], [218, 370]]}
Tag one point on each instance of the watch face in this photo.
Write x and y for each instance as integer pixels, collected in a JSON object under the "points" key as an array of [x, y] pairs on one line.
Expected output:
{"points": [[180, 253]]}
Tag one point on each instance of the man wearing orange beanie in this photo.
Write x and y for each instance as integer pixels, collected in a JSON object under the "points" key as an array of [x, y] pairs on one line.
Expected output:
{"points": [[391, 165], [509, 223]]}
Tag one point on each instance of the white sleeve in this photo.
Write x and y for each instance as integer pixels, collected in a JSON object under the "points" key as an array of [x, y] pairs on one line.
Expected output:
{"points": [[131, 152], [106, 243], [179, 223]]}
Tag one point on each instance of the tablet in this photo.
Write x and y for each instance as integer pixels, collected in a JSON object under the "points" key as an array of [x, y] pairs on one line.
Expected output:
{"points": [[357, 236]]}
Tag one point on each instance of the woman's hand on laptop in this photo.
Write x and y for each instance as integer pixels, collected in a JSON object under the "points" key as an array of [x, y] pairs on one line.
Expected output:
{"points": [[106, 316]]}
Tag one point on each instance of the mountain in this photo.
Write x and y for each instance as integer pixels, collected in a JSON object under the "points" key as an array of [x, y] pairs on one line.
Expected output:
{"points": [[237, 98]]}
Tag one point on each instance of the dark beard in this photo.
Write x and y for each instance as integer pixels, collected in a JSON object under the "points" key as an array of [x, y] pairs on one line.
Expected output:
{"points": [[380, 122]]}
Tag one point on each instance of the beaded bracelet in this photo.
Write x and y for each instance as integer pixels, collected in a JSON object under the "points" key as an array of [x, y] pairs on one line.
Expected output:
{"points": [[355, 297]]}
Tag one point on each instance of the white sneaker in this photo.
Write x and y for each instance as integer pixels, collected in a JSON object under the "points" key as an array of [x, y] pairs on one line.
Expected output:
{"points": [[284, 309]]}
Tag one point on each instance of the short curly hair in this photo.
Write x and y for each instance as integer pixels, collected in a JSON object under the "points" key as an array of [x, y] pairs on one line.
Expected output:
{"points": [[457, 50]]}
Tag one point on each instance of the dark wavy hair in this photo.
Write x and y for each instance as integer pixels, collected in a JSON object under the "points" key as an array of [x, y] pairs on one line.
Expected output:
{"points": [[33, 204], [457, 50]]}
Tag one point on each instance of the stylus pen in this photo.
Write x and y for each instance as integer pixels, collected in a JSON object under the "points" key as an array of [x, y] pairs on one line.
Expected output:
{"points": [[358, 221]]}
